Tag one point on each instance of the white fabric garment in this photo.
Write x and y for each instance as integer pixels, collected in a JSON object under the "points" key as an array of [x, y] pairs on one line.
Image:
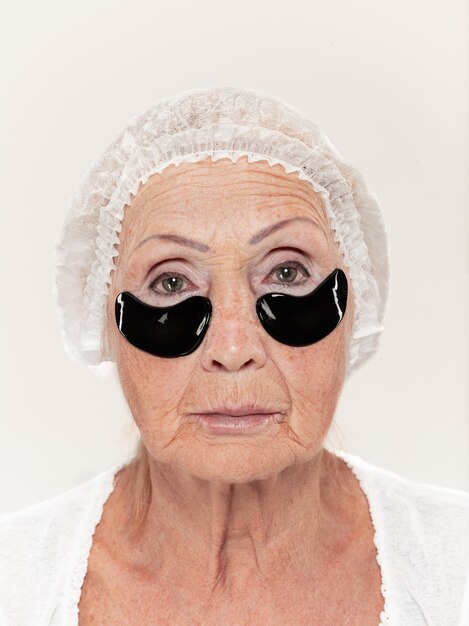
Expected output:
{"points": [[421, 536]]}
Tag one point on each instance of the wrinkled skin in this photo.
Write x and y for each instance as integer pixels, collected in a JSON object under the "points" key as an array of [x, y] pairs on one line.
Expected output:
{"points": [[246, 525]]}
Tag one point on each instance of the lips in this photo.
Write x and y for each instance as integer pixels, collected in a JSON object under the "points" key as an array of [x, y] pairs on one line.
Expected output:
{"points": [[231, 425], [239, 411]]}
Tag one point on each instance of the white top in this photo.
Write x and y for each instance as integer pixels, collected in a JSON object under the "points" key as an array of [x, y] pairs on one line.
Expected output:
{"points": [[421, 537]]}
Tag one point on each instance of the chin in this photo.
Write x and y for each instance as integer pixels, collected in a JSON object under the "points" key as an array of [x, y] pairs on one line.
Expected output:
{"points": [[232, 462]]}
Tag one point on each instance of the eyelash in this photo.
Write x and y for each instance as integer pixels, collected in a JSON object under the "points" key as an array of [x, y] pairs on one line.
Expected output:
{"points": [[291, 263]]}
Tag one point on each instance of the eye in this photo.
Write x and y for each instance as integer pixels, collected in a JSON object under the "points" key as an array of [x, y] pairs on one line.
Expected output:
{"points": [[288, 265], [172, 282]]}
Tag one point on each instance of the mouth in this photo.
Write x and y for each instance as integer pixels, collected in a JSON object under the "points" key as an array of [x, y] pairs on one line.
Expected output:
{"points": [[229, 424], [240, 410]]}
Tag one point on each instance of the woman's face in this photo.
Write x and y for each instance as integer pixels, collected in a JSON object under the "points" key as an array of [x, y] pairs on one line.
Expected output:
{"points": [[222, 205]]}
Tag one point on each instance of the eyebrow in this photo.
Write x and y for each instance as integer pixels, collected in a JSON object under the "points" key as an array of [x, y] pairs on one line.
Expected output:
{"points": [[202, 247]]}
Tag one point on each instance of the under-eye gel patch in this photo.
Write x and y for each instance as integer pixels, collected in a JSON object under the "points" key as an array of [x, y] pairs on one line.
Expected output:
{"points": [[179, 329]]}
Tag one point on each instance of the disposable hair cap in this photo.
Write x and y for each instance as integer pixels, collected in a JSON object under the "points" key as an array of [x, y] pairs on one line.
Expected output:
{"points": [[216, 123]]}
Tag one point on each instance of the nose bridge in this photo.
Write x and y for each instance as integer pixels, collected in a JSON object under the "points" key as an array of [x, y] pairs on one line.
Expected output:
{"points": [[232, 338], [233, 309]]}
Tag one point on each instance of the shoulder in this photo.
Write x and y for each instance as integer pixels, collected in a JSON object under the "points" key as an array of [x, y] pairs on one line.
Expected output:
{"points": [[426, 506], [39, 542], [422, 537]]}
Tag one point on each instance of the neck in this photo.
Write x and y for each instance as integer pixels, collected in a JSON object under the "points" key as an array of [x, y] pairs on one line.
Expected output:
{"points": [[211, 535]]}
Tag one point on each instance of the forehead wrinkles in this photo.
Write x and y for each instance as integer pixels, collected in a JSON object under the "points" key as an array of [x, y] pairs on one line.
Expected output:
{"points": [[260, 186], [222, 177]]}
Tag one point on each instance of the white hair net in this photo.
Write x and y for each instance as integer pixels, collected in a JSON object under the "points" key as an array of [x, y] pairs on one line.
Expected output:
{"points": [[215, 123]]}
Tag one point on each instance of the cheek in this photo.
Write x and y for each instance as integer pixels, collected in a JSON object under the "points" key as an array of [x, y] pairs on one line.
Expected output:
{"points": [[153, 387], [315, 375], [321, 362]]}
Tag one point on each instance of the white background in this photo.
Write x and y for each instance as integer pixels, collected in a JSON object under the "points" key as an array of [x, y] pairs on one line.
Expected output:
{"points": [[388, 82]]}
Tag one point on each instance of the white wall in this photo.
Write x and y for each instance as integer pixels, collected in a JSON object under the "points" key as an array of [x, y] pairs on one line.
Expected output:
{"points": [[387, 81]]}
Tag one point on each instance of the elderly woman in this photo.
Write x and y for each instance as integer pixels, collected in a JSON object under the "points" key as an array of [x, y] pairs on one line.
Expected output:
{"points": [[234, 268]]}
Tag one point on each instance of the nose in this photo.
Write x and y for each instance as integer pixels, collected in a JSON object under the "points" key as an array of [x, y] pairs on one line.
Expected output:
{"points": [[233, 340]]}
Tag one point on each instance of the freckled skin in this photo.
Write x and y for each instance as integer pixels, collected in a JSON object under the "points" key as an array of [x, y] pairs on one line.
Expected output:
{"points": [[222, 204], [239, 528]]}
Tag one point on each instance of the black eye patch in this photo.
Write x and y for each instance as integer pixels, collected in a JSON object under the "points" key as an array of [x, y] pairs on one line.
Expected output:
{"points": [[179, 329]]}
